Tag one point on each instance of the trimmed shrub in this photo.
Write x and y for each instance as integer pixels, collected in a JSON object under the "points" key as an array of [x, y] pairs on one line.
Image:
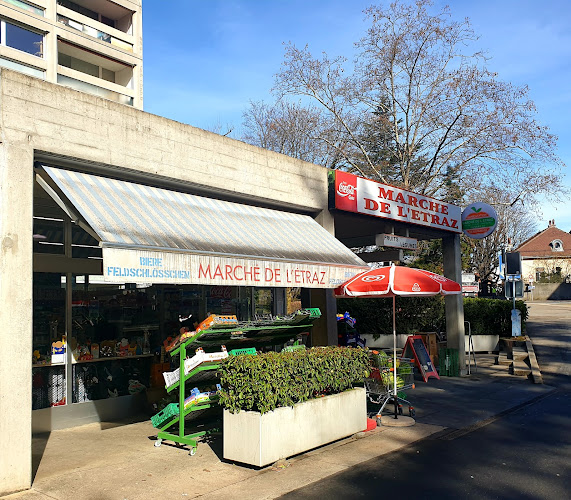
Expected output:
{"points": [[493, 316], [427, 314], [413, 314], [271, 380]]}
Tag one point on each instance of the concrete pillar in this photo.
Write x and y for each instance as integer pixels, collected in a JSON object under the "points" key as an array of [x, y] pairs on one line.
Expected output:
{"points": [[324, 331], [454, 303], [16, 246]]}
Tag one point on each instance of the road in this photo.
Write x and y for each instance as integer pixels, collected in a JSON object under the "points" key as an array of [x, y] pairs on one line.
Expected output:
{"points": [[549, 326], [524, 453]]}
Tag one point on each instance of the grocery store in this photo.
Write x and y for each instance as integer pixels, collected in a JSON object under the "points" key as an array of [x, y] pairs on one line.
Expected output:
{"points": [[123, 231]]}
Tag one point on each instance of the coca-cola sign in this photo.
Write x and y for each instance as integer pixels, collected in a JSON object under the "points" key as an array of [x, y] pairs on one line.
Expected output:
{"points": [[346, 189]]}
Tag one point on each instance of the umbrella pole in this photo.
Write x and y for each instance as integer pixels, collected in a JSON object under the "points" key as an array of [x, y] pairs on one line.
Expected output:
{"points": [[395, 358]]}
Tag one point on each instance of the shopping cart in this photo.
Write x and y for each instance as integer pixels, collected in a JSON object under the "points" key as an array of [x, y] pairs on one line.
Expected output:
{"points": [[380, 384]]}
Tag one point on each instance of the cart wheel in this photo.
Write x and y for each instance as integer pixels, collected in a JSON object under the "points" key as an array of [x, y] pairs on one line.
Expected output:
{"points": [[411, 412], [158, 443], [192, 452]]}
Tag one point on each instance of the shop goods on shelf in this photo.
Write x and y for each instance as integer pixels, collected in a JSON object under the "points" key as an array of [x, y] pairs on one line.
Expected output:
{"points": [[173, 377]]}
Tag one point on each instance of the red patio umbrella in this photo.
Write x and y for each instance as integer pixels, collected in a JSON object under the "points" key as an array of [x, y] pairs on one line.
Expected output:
{"points": [[390, 281]]}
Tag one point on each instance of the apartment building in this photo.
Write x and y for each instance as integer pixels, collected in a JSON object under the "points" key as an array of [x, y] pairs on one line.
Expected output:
{"points": [[90, 45]]}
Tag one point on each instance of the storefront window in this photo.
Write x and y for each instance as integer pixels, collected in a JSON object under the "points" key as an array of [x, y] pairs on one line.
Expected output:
{"points": [[293, 300], [83, 245], [48, 235], [112, 330], [48, 372], [118, 331], [263, 302]]}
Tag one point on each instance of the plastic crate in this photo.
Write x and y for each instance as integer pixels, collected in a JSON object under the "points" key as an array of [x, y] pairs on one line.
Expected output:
{"points": [[314, 312], [246, 350], [165, 415]]}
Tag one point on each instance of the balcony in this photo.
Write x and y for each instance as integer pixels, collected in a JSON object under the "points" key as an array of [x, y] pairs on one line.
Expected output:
{"points": [[94, 73], [103, 11], [94, 33]]}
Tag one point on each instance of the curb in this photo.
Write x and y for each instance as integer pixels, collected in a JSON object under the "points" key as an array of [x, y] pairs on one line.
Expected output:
{"points": [[535, 371]]}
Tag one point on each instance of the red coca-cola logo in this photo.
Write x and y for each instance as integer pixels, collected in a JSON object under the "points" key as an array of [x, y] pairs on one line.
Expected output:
{"points": [[345, 189]]}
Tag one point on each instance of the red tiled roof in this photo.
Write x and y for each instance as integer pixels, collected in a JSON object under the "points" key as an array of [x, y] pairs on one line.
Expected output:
{"points": [[539, 245]]}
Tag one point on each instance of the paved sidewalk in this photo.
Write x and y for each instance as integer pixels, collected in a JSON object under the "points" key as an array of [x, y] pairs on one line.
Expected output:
{"points": [[107, 462]]}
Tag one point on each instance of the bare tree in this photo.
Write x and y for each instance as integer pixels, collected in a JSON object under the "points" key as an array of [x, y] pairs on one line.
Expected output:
{"points": [[516, 223], [292, 129], [438, 105]]}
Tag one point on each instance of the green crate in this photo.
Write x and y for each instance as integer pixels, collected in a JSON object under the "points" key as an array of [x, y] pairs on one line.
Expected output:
{"points": [[314, 312], [450, 368], [165, 415], [245, 350]]}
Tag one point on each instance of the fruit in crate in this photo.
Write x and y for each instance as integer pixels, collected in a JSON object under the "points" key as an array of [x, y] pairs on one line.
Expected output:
{"points": [[388, 380]]}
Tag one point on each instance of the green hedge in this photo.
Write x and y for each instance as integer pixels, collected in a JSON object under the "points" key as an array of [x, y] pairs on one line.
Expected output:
{"points": [[413, 314], [493, 316], [427, 314], [271, 380]]}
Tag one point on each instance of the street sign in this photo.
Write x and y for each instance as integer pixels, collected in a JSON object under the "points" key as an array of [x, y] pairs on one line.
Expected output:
{"points": [[513, 263], [392, 240], [509, 286], [479, 220]]}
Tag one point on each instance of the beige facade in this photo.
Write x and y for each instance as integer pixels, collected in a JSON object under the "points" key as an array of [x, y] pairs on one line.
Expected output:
{"points": [[42, 121], [546, 254], [95, 46]]}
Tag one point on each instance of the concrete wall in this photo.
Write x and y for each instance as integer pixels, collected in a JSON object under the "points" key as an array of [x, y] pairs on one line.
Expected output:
{"points": [[549, 291], [40, 118]]}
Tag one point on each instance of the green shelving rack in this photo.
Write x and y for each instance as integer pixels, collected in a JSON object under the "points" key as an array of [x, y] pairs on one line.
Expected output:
{"points": [[243, 337], [175, 412]]}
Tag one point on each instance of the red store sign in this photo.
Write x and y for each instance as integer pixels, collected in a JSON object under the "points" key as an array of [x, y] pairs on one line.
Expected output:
{"points": [[364, 196]]}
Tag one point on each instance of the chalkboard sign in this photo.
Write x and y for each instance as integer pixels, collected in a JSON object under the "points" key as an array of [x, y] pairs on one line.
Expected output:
{"points": [[415, 349]]}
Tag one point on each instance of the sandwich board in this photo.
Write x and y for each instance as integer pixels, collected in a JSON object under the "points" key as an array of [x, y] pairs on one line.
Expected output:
{"points": [[416, 349]]}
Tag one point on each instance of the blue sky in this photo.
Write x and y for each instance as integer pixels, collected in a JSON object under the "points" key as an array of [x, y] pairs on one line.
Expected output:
{"points": [[204, 60]]}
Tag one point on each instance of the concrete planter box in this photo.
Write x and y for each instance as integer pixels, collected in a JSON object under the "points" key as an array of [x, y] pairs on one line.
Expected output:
{"points": [[483, 343], [259, 440], [385, 341]]}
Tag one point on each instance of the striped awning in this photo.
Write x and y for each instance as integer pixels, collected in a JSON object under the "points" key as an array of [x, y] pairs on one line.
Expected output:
{"points": [[155, 235]]}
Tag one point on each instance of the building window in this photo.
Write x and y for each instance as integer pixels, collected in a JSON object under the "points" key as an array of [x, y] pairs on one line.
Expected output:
{"points": [[19, 38], [26, 6], [22, 68], [556, 245]]}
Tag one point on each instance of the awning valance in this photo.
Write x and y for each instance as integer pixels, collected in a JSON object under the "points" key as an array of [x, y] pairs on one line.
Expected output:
{"points": [[155, 235]]}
